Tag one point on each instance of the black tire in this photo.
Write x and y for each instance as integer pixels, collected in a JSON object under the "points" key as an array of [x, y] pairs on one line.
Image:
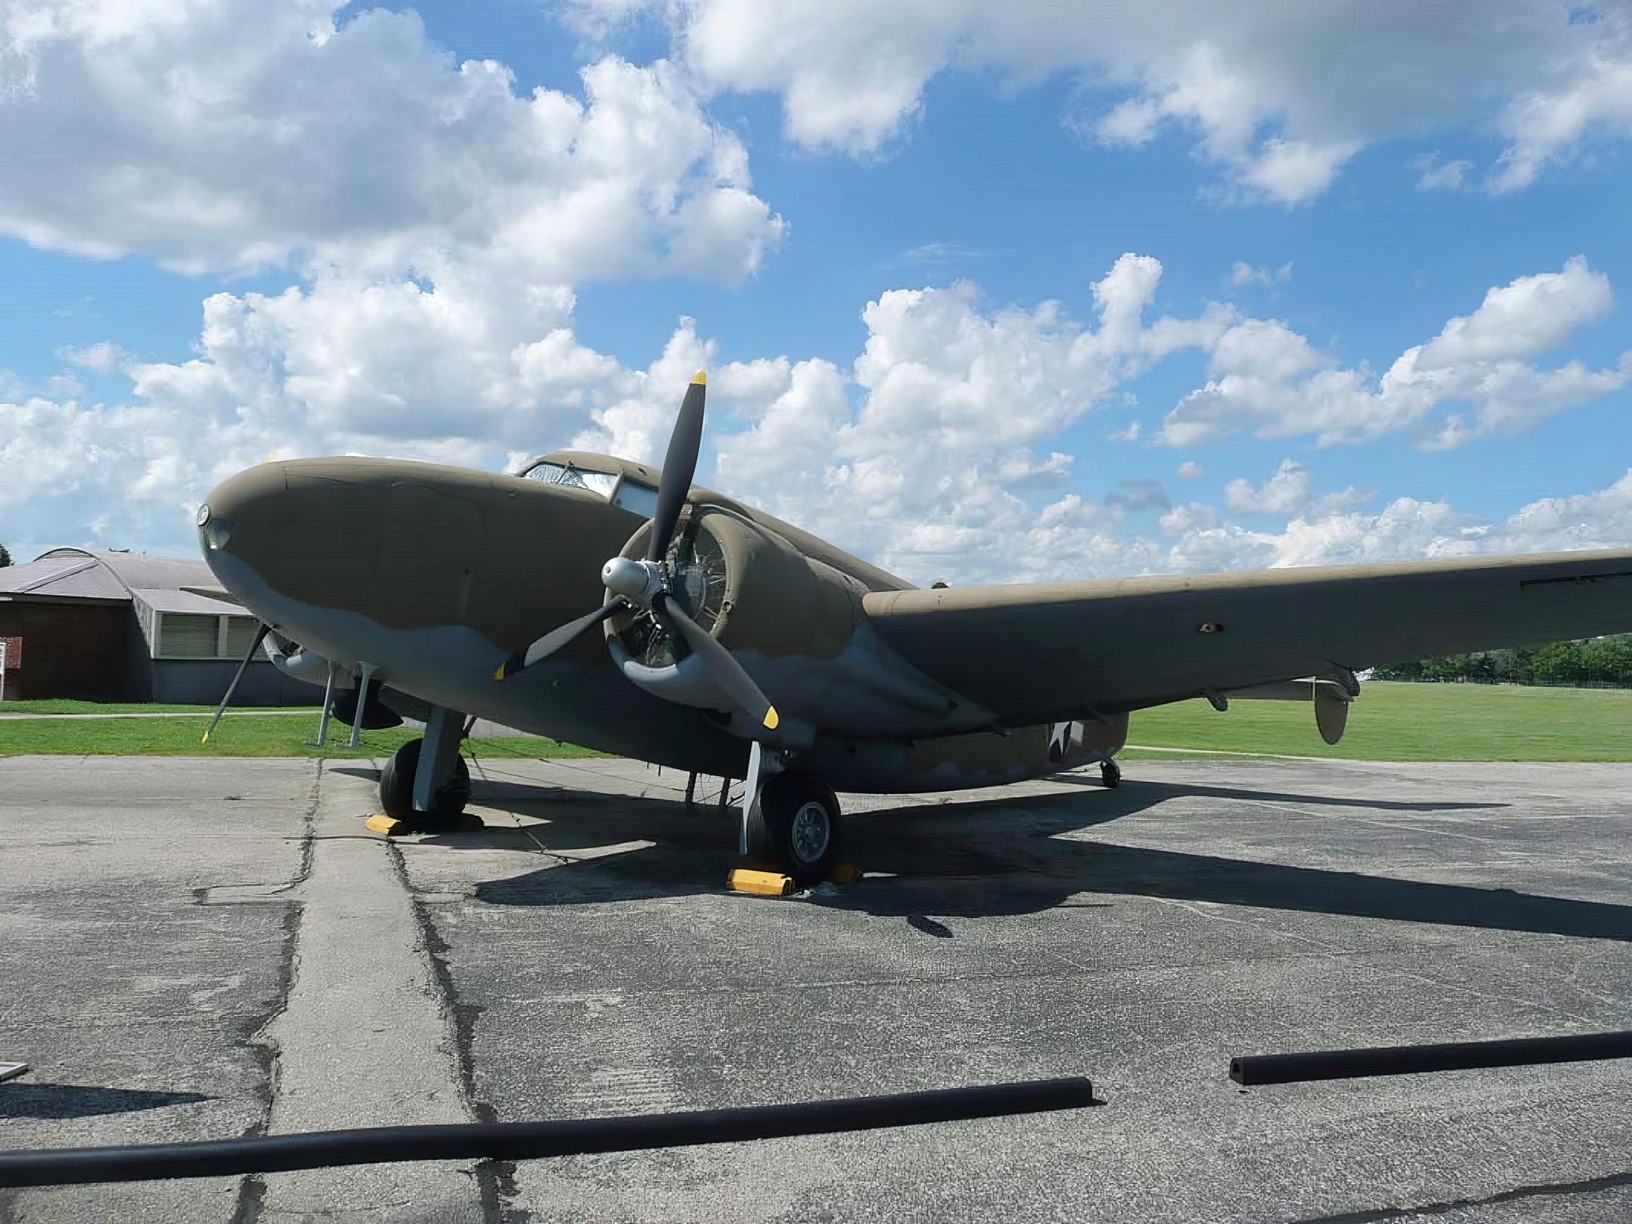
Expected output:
{"points": [[1110, 773], [796, 829], [397, 790]]}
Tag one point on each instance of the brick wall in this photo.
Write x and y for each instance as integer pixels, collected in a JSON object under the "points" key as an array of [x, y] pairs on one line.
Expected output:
{"points": [[70, 649]]}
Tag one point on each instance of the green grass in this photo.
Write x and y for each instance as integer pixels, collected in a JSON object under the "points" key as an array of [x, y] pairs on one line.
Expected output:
{"points": [[62, 705], [1408, 722], [1390, 722], [242, 735]]}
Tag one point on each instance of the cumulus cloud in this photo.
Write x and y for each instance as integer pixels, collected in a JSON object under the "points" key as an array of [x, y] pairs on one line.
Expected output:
{"points": [[237, 134], [1189, 470], [1129, 434], [1278, 96], [936, 452], [1548, 121], [939, 452], [1529, 316], [1432, 174], [1330, 531], [100, 358], [1289, 492], [1243, 273], [1269, 380]]}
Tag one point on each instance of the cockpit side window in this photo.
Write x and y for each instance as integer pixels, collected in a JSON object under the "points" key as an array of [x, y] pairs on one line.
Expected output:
{"points": [[636, 497]]}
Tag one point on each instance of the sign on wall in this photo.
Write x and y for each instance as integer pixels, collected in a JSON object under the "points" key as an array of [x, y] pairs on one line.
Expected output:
{"points": [[11, 659]]}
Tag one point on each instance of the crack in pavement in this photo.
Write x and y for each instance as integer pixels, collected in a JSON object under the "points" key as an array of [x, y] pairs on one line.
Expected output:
{"points": [[365, 1037]]}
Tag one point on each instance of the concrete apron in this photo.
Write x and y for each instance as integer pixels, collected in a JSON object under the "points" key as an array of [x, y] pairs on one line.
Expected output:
{"points": [[366, 1038]]}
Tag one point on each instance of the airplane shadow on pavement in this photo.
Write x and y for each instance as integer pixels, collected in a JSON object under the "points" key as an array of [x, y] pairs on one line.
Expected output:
{"points": [[84, 1100], [990, 857]]}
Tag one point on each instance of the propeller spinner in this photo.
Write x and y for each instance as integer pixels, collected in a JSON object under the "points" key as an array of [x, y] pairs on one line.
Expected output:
{"points": [[648, 585]]}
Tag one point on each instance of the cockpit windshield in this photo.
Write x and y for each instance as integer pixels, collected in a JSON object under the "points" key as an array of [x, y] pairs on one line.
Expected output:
{"points": [[619, 490], [546, 472]]}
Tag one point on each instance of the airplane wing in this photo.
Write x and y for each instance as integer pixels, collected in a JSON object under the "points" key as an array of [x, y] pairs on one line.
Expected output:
{"points": [[1042, 652]]}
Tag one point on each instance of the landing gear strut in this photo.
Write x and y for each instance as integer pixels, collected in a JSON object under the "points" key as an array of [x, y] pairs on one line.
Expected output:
{"points": [[1110, 773], [794, 827]]}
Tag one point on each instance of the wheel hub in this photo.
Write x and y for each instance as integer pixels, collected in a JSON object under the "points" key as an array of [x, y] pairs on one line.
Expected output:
{"points": [[810, 832]]}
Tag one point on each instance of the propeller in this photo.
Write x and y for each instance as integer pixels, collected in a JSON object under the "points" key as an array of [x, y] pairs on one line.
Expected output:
{"points": [[648, 584]]}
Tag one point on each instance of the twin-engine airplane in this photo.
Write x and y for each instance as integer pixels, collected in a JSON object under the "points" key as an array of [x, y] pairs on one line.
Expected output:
{"points": [[595, 600]]}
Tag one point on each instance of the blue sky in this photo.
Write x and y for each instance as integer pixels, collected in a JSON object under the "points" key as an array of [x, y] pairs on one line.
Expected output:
{"points": [[976, 153]]}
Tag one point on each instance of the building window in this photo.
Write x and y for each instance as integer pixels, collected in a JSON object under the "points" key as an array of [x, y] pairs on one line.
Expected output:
{"points": [[194, 635], [237, 632]]}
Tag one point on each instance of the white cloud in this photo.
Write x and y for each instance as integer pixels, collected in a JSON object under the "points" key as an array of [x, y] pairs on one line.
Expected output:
{"points": [[101, 358], [237, 134], [936, 452], [1189, 470], [1289, 492], [1266, 379], [939, 456], [1432, 174], [1548, 121], [1278, 95], [1130, 434], [1243, 273], [1295, 171], [1531, 315]]}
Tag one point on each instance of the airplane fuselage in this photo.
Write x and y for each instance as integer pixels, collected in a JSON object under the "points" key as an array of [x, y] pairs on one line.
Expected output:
{"points": [[435, 575]]}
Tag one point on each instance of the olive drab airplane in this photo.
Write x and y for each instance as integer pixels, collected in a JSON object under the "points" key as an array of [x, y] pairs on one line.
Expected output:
{"points": [[596, 600]]}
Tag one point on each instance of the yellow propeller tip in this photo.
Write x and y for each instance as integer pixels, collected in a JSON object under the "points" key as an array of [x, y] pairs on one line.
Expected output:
{"points": [[771, 719], [498, 672], [206, 738], [700, 379]]}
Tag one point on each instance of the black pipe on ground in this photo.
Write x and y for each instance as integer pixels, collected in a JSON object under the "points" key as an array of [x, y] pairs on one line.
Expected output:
{"points": [[531, 1140], [1410, 1060]]}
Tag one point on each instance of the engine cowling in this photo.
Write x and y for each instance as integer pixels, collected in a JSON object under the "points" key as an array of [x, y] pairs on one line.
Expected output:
{"points": [[293, 659], [795, 624]]}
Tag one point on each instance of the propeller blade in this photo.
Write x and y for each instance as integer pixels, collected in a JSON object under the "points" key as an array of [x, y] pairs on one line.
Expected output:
{"points": [[725, 670], [260, 636], [679, 466], [555, 639]]}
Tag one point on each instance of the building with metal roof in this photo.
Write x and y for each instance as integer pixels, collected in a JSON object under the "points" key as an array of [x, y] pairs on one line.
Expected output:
{"points": [[120, 626]]}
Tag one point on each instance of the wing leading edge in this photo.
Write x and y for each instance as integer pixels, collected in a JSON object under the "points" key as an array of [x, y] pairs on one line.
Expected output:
{"points": [[1051, 651]]}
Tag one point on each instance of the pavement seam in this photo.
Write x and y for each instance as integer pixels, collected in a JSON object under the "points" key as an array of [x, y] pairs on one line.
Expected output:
{"points": [[252, 1190], [364, 1039], [495, 1179]]}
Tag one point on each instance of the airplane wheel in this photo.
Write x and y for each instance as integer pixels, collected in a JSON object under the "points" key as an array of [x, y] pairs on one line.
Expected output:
{"points": [[397, 790], [796, 829], [1110, 773]]}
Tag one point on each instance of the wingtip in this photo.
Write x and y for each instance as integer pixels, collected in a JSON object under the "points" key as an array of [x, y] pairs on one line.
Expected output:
{"points": [[700, 379]]}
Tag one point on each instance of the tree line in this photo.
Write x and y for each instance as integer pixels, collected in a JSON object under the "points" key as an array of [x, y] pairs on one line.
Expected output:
{"points": [[1604, 660]]}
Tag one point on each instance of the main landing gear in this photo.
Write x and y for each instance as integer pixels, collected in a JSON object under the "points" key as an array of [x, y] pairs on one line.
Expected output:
{"points": [[397, 791], [1110, 773], [793, 827], [427, 783]]}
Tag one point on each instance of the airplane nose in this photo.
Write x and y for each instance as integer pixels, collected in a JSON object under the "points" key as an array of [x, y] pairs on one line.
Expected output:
{"points": [[304, 534], [385, 538]]}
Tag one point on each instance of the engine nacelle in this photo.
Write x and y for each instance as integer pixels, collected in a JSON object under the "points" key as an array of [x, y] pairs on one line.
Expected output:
{"points": [[795, 623], [1332, 698], [295, 660]]}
